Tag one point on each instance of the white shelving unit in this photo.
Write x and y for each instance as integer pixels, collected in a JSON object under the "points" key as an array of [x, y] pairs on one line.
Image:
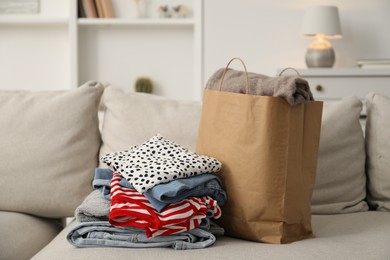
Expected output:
{"points": [[55, 49]]}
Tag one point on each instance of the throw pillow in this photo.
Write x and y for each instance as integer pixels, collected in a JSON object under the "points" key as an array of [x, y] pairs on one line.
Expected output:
{"points": [[378, 151], [132, 118], [340, 182], [49, 149]]}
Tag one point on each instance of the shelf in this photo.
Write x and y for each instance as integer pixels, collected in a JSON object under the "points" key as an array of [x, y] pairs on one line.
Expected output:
{"points": [[32, 20], [135, 22]]}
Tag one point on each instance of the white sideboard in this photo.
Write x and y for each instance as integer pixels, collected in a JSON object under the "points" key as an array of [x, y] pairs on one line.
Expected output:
{"points": [[335, 83]]}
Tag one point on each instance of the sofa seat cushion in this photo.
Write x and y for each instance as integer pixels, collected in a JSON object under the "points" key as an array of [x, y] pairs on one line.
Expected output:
{"points": [[22, 235], [362, 235]]}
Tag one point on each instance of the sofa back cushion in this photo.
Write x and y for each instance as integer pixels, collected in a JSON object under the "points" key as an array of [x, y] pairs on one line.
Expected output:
{"points": [[49, 147], [133, 118], [341, 182], [378, 151]]}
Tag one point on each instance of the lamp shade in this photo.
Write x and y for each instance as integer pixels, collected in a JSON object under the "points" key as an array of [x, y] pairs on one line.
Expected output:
{"points": [[322, 21]]}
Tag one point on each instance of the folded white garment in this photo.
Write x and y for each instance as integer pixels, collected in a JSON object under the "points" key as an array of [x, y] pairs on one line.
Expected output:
{"points": [[159, 161]]}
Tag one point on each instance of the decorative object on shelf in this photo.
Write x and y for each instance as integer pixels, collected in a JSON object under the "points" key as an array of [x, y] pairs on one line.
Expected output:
{"points": [[141, 8], [164, 11], [321, 23], [180, 11], [19, 6], [144, 84]]}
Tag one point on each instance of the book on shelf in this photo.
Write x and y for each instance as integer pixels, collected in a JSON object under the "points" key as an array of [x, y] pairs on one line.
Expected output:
{"points": [[95, 9], [80, 9], [99, 8], [89, 8], [374, 63], [108, 9]]}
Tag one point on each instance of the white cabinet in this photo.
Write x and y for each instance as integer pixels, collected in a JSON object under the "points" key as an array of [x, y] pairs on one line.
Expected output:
{"points": [[333, 84], [57, 50]]}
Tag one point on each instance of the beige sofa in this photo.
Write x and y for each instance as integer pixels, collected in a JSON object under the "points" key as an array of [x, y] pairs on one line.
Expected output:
{"points": [[50, 145]]}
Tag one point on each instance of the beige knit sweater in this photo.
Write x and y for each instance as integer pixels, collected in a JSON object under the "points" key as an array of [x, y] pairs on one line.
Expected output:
{"points": [[294, 89]]}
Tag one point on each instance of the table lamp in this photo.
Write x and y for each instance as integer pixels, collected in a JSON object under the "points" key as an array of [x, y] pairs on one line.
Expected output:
{"points": [[321, 23]]}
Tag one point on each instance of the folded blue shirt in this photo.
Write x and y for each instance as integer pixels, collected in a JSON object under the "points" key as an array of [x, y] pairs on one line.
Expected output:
{"points": [[175, 191], [102, 181]]}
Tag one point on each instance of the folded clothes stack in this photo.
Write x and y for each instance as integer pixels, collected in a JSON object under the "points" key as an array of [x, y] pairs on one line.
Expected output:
{"points": [[158, 194]]}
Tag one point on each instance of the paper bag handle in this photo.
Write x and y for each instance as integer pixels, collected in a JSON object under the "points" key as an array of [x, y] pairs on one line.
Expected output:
{"points": [[289, 68], [227, 66]]}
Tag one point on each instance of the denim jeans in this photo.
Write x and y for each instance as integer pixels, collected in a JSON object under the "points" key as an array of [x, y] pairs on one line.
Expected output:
{"points": [[103, 234]]}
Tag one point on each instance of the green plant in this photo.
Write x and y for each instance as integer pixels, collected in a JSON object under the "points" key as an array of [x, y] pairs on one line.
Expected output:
{"points": [[144, 85]]}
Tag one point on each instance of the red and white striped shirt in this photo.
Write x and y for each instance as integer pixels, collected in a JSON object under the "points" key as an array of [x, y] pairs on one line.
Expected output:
{"points": [[131, 208]]}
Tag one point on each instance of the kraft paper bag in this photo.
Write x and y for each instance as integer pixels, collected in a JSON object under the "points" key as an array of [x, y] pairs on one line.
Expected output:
{"points": [[268, 151]]}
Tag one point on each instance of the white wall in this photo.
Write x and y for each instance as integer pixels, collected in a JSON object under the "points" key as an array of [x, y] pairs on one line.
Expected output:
{"points": [[266, 34], [36, 57], [119, 55]]}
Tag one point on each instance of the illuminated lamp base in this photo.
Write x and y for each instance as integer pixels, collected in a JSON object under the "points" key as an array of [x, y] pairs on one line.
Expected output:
{"points": [[320, 54]]}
